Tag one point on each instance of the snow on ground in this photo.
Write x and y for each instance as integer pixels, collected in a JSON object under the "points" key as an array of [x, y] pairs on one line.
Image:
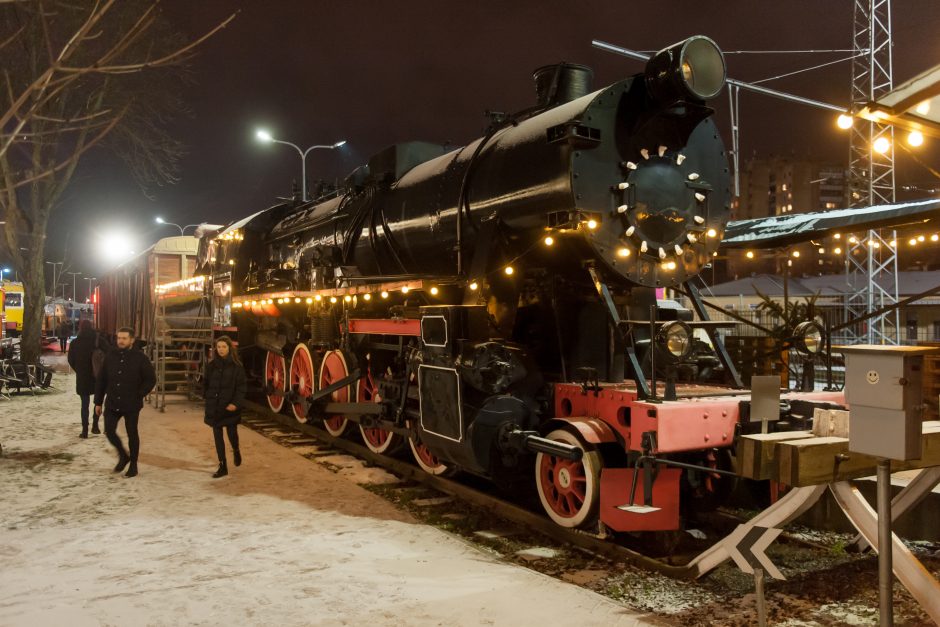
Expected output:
{"points": [[279, 541]]}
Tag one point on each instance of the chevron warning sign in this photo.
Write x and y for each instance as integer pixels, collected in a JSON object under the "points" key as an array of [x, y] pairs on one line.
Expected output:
{"points": [[746, 546]]}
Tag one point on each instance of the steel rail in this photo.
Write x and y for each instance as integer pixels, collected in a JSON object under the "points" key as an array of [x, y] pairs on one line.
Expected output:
{"points": [[508, 511]]}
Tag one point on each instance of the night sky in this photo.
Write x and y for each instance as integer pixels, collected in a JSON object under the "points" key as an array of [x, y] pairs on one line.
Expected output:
{"points": [[377, 73]]}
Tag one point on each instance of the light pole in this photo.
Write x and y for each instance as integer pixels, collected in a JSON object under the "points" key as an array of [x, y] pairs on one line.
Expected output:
{"points": [[268, 139], [90, 279], [182, 229], [54, 282], [74, 274]]}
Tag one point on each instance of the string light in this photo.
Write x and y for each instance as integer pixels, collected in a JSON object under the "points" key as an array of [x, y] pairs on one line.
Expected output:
{"points": [[853, 240], [333, 299], [749, 254], [796, 253], [912, 241], [837, 235], [549, 240], [296, 300], [623, 252], [384, 294], [508, 270], [921, 238], [309, 301], [711, 233], [592, 224], [405, 290], [318, 298], [934, 237], [347, 298], [434, 291], [474, 286], [367, 297], [837, 250]]}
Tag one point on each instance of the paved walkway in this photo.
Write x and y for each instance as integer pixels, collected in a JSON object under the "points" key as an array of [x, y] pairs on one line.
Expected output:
{"points": [[281, 541]]}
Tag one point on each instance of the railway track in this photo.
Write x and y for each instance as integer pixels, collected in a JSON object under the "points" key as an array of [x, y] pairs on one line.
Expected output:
{"points": [[264, 420]]}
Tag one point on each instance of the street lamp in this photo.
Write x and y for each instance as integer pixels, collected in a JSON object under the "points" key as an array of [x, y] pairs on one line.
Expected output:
{"points": [[90, 279], [266, 137], [182, 229], [54, 282], [74, 295]]}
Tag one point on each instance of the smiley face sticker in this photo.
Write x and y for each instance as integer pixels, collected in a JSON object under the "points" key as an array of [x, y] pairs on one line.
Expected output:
{"points": [[872, 377]]}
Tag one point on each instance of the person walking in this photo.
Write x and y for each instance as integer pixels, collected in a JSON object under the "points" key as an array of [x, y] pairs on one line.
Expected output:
{"points": [[126, 377], [87, 348], [224, 387], [64, 332]]}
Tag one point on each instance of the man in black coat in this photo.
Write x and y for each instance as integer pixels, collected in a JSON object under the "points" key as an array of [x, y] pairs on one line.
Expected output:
{"points": [[81, 359], [63, 332], [126, 377]]}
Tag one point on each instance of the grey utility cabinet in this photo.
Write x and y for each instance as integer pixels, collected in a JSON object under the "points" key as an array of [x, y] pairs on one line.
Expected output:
{"points": [[884, 390]]}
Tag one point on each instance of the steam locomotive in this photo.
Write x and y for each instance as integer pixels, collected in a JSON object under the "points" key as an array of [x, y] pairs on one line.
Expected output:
{"points": [[493, 307]]}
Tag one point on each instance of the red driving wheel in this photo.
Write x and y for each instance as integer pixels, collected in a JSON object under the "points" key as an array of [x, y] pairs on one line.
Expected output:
{"points": [[301, 379], [275, 374], [334, 369], [378, 440]]}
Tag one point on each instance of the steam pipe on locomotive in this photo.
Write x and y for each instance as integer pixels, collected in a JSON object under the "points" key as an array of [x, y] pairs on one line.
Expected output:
{"points": [[449, 298]]}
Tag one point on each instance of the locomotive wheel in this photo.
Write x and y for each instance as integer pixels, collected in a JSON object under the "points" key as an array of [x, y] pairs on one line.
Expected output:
{"points": [[333, 369], [708, 490], [301, 379], [275, 372], [428, 461], [569, 490], [378, 440]]}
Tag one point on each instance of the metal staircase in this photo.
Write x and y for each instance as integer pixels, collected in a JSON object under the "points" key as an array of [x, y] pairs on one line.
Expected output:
{"points": [[182, 337]]}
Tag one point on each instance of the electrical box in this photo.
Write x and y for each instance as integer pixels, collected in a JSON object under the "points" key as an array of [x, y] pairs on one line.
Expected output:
{"points": [[884, 390]]}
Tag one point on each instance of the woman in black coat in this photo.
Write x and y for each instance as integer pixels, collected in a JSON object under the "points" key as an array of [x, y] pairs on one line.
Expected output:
{"points": [[81, 359], [224, 387]]}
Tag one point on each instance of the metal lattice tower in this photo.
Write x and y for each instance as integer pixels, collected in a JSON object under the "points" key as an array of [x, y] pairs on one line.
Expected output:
{"points": [[871, 261]]}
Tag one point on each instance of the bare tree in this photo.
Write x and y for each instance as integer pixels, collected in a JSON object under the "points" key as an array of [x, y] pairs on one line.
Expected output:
{"points": [[76, 76]]}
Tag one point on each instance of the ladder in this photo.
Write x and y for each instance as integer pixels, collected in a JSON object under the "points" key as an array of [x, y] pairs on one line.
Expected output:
{"points": [[182, 336]]}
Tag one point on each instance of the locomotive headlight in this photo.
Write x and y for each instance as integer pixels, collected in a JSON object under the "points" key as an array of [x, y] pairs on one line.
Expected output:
{"points": [[808, 337], [693, 69], [675, 339]]}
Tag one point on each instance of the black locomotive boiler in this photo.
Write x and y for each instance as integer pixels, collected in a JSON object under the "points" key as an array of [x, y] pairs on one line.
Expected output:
{"points": [[494, 306]]}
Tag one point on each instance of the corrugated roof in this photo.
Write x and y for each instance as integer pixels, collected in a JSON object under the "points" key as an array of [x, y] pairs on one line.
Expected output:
{"points": [[909, 284]]}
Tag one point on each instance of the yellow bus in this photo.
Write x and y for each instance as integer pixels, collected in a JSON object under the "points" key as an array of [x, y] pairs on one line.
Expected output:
{"points": [[12, 306]]}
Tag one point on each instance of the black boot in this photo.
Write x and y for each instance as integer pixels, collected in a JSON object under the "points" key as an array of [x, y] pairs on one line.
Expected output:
{"points": [[95, 429], [221, 472], [238, 457], [84, 433], [122, 462], [131, 470]]}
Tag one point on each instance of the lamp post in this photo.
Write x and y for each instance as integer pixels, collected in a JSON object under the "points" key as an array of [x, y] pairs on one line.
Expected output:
{"points": [[90, 279], [54, 282], [182, 229], [74, 295], [266, 137]]}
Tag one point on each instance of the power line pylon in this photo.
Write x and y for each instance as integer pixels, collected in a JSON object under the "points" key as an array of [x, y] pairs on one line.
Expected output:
{"points": [[872, 261]]}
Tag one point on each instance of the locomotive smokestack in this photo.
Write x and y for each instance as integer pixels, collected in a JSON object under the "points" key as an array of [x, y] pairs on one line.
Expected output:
{"points": [[560, 83]]}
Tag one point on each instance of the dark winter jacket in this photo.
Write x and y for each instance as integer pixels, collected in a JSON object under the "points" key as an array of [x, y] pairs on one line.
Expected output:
{"points": [[126, 378], [223, 384], [80, 352], [64, 330]]}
